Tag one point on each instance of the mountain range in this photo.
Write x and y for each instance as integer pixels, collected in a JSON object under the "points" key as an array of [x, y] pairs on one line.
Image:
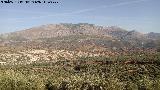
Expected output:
{"points": [[76, 36]]}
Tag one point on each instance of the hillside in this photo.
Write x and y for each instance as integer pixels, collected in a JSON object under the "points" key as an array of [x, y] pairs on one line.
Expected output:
{"points": [[73, 36], [79, 56]]}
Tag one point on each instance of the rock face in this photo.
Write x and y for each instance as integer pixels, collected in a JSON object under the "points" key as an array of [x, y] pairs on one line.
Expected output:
{"points": [[88, 33]]}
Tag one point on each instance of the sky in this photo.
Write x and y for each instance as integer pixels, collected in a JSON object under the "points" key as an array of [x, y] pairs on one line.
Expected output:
{"points": [[139, 15]]}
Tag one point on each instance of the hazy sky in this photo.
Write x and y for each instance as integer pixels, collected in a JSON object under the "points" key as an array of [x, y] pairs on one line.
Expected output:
{"points": [[140, 15]]}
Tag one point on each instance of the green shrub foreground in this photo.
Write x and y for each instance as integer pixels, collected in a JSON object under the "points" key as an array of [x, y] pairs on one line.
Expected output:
{"points": [[87, 73]]}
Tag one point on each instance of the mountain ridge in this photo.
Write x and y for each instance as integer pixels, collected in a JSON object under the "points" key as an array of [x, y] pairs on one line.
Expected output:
{"points": [[95, 33]]}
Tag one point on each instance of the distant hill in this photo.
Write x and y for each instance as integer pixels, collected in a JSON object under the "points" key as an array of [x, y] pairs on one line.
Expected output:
{"points": [[71, 36]]}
